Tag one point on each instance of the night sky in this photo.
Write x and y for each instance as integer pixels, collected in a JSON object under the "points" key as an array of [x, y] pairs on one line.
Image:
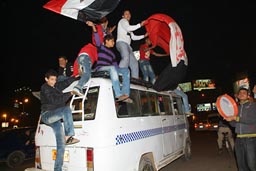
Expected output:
{"points": [[219, 36]]}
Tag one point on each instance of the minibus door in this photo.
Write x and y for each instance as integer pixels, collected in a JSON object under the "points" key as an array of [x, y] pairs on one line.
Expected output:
{"points": [[179, 123], [168, 135]]}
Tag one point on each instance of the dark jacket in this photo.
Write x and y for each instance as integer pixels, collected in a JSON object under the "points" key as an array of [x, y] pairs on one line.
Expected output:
{"points": [[68, 70], [246, 123], [53, 97]]}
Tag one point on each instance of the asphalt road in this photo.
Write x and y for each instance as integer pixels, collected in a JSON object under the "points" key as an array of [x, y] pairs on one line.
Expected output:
{"points": [[205, 156]]}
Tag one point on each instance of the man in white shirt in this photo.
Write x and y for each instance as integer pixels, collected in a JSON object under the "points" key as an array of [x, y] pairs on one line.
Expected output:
{"points": [[123, 42]]}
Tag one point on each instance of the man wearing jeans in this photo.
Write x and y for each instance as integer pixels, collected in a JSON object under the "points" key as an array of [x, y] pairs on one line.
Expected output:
{"points": [[124, 37], [87, 56], [107, 62], [146, 49], [180, 92], [245, 128], [54, 109]]}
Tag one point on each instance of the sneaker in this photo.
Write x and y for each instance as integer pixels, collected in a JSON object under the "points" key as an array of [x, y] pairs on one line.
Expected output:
{"points": [[77, 92], [128, 100], [123, 97], [72, 140]]}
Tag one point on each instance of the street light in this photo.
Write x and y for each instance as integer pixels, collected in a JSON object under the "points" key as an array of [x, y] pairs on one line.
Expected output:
{"points": [[4, 116], [26, 100], [17, 103], [4, 124], [23, 105]]}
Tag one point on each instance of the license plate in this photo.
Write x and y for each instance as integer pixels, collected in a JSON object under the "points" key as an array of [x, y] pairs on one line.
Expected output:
{"points": [[66, 155]]}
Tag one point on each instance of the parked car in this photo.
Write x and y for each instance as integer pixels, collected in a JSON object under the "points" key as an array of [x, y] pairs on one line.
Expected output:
{"points": [[17, 145], [203, 125]]}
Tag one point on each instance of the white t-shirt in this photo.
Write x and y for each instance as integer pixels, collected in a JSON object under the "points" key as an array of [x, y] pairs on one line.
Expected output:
{"points": [[124, 31]]}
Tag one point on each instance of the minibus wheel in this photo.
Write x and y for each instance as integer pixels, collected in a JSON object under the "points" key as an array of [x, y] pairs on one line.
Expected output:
{"points": [[146, 164]]}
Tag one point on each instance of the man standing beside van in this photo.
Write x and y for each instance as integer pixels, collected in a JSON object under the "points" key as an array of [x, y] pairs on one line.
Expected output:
{"points": [[54, 109]]}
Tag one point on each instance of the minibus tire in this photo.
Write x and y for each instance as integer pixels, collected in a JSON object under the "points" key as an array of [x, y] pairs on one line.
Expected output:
{"points": [[146, 164]]}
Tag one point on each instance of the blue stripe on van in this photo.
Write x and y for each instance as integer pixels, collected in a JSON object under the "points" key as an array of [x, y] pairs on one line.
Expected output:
{"points": [[133, 136]]}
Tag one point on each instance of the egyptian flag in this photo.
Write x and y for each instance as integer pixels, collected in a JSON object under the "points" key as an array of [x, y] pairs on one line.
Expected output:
{"points": [[165, 33], [82, 10]]}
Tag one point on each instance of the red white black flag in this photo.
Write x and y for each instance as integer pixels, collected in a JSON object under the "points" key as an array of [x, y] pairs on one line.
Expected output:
{"points": [[82, 10]]}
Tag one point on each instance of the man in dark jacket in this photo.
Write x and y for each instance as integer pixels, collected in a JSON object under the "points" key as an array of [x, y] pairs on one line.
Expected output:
{"points": [[245, 128], [54, 109], [65, 68]]}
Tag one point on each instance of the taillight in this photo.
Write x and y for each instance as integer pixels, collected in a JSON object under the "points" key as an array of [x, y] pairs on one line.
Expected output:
{"points": [[89, 154]]}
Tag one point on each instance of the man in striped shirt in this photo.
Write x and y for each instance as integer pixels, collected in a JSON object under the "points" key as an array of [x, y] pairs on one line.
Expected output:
{"points": [[107, 62]]}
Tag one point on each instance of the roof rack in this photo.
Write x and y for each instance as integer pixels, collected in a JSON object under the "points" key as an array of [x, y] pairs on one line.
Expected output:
{"points": [[105, 74]]}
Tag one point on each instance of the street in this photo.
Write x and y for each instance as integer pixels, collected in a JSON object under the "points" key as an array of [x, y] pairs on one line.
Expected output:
{"points": [[205, 156]]}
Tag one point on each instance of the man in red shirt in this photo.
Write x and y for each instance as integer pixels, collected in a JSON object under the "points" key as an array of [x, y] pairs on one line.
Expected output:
{"points": [[144, 62], [82, 66]]}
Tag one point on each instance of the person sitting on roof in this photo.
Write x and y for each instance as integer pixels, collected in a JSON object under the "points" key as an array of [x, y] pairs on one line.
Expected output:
{"points": [[87, 56], [107, 62]]}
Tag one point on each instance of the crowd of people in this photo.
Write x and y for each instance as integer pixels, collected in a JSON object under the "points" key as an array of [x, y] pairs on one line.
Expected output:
{"points": [[90, 59], [97, 56]]}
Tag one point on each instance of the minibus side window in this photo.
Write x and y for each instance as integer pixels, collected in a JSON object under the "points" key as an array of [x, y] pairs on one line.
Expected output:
{"points": [[161, 104], [129, 109], [145, 109], [153, 103], [178, 106], [149, 104], [164, 105], [90, 105], [170, 104]]}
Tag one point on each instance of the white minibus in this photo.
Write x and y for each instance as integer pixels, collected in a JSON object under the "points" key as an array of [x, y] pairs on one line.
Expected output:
{"points": [[145, 135]]}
